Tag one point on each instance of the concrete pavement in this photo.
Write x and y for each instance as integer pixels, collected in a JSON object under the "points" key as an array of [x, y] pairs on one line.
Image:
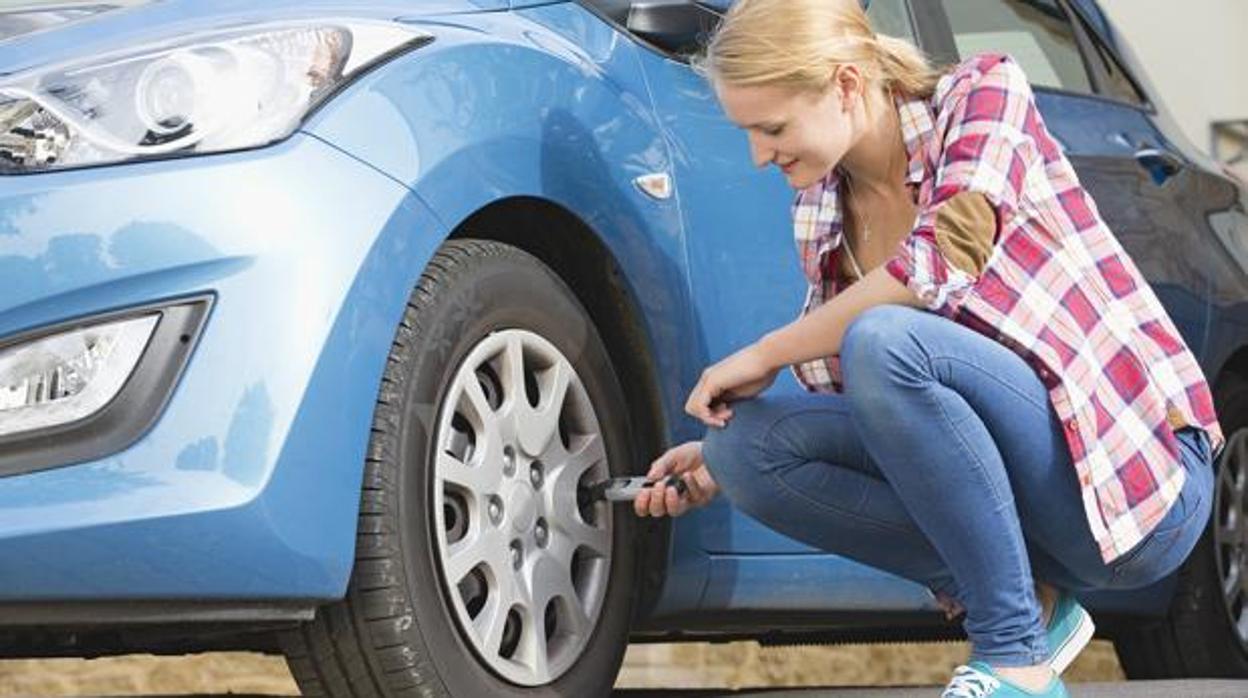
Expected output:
{"points": [[1187, 688]]}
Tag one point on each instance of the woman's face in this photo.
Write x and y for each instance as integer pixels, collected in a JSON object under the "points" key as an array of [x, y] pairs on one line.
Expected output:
{"points": [[802, 132]]}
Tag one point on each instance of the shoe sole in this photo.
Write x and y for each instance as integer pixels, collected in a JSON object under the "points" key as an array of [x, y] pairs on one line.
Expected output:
{"points": [[1074, 644]]}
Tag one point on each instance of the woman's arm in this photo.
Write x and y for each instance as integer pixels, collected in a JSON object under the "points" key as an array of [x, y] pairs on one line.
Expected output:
{"points": [[819, 332], [964, 229]]}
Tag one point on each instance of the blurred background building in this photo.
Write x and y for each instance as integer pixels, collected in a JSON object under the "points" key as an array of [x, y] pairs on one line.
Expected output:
{"points": [[1196, 54]]}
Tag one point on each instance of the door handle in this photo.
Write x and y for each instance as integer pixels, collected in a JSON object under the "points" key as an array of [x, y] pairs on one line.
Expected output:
{"points": [[1161, 164]]}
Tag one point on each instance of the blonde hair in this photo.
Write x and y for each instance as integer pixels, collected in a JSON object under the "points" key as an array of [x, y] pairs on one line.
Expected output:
{"points": [[800, 43]]}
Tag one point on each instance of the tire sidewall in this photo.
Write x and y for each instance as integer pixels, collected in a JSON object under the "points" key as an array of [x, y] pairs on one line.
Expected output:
{"points": [[511, 290]]}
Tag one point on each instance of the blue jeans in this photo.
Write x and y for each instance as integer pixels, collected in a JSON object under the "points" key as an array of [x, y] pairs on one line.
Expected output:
{"points": [[943, 463]]}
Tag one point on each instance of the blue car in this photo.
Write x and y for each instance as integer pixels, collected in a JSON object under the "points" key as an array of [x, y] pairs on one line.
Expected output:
{"points": [[319, 319]]}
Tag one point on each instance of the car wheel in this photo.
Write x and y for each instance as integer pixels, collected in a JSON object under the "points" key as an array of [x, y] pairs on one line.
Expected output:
{"points": [[1205, 632], [479, 571]]}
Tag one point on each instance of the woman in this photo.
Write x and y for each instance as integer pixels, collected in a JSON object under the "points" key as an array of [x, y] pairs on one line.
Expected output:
{"points": [[999, 407]]}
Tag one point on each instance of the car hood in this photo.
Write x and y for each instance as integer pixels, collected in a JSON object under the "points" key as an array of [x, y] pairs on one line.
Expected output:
{"points": [[35, 33], [31, 17]]}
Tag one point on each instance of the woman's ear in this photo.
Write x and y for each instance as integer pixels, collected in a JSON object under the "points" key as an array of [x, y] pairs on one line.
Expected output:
{"points": [[848, 83]]}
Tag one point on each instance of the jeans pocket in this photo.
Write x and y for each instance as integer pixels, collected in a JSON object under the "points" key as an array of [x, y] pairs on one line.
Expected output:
{"points": [[1155, 556]]}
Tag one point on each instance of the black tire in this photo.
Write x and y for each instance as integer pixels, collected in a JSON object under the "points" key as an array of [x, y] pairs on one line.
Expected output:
{"points": [[1196, 637], [394, 633]]}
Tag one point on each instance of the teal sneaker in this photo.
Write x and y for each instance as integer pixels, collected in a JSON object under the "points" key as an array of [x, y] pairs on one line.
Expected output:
{"points": [[978, 680], [1069, 631]]}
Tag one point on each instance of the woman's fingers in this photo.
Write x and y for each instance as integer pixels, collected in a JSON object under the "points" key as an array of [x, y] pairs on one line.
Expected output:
{"points": [[660, 466], [641, 505], [706, 483], [693, 402], [702, 487], [661, 499], [658, 504], [693, 491], [699, 402], [699, 493], [672, 498]]}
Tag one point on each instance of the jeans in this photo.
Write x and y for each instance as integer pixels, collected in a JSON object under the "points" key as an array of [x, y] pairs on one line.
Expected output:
{"points": [[943, 462]]}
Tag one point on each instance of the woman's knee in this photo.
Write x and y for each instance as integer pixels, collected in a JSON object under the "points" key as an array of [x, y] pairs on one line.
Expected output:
{"points": [[877, 342], [874, 331], [732, 452]]}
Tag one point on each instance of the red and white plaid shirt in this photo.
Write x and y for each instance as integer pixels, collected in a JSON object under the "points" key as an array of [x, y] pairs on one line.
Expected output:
{"points": [[1058, 289]]}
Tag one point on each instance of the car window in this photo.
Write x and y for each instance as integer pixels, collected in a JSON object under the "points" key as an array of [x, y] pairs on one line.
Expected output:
{"points": [[1037, 33], [1117, 83], [891, 17]]}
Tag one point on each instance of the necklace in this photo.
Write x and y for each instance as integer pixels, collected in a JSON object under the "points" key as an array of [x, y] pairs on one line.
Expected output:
{"points": [[861, 216], [860, 213]]}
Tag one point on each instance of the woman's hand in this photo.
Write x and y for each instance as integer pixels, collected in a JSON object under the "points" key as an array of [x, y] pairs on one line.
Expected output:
{"points": [[685, 461], [744, 374]]}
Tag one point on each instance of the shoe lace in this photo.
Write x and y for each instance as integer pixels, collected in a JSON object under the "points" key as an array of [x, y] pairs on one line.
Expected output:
{"points": [[968, 682]]}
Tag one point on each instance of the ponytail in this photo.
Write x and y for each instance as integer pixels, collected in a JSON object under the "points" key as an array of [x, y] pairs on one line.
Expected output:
{"points": [[800, 43]]}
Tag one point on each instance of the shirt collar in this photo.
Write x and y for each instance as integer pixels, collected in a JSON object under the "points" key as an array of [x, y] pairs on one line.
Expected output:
{"points": [[817, 221], [917, 130]]}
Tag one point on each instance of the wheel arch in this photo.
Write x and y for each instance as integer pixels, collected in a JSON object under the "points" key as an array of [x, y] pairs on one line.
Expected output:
{"points": [[580, 257]]}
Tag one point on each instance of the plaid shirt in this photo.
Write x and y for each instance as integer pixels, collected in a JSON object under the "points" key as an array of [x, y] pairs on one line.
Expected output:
{"points": [[1058, 289]]}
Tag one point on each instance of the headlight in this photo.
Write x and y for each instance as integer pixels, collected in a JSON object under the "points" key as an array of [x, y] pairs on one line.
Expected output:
{"points": [[207, 93], [68, 376]]}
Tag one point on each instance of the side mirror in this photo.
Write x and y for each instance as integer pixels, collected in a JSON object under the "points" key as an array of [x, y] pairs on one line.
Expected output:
{"points": [[677, 26]]}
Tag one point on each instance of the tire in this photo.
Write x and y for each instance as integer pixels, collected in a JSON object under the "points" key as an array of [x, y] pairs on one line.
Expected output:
{"points": [[1197, 637], [402, 630]]}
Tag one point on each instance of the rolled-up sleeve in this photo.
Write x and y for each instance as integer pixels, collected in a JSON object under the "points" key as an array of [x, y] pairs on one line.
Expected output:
{"points": [[984, 159]]}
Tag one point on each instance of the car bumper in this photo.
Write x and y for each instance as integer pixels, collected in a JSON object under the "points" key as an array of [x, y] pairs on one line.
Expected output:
{"points": [[247, 485]]}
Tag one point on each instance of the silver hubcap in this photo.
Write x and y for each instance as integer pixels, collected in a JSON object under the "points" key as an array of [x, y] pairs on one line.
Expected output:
{"points": [[526, 567], [1230, 534]]}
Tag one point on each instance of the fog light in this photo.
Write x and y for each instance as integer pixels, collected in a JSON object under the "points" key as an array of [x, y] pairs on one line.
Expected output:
{"points": [[65, 377]]}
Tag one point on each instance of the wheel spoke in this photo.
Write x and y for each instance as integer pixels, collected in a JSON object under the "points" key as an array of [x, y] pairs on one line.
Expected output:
{"points": [[538, 652], [579, 624], [1230, 585], [1241, 624], [1228, 532], [588, 452], [456, 472], [566, 475], [490, 438], [526, 426], [582, 535], [513, 374], [560, 377], [553, 580], [482, 547], [535, 428], [480, 404], [492, 619]]}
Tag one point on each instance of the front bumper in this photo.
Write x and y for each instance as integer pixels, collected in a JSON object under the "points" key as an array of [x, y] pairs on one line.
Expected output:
{"points": [[247, 485]]}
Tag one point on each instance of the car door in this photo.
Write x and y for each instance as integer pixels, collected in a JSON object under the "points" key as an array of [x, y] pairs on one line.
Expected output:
{"points": [[1143, 185], [743, 265]]}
